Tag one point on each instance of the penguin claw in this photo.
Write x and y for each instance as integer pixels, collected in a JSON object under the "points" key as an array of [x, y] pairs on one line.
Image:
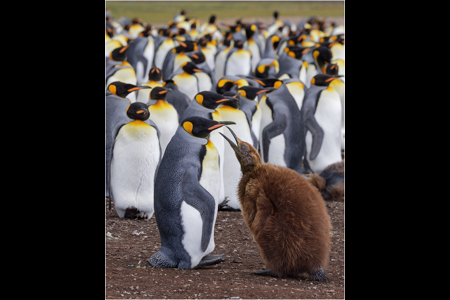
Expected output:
{"points": [[267, 272], [318, 275], [141, 215], [210, 260]]}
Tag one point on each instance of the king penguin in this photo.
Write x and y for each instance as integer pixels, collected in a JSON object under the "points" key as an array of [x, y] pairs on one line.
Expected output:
{"points": [[186, 197], [154, 80], [123, 72], [204, 105], [187, 82], [163, 114], [140, 56], [115, 116], [136, 154], [282, 131], [239, 60], [322, 116], [231, 170]]}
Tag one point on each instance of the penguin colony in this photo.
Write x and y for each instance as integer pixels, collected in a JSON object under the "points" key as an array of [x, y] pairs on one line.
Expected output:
{"points": [[170, 90]]}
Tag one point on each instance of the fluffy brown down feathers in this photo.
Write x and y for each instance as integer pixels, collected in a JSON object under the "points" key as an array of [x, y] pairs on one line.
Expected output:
{"points": [[288, 219]]}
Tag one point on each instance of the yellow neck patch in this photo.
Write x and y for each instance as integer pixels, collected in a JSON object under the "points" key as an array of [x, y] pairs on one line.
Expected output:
{"points": [[188, 126]]}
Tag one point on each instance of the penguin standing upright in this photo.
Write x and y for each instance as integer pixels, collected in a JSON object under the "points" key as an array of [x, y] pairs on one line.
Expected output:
{"points": [[154, 80], [176, 98], [239, 60], [140, 55], [187, 82], [204, 105], [231, 170], [282, 139], [186, 197], [163, 114], [322, 117], [252, 108], [123, 72], [115, 116], [135, 158]]}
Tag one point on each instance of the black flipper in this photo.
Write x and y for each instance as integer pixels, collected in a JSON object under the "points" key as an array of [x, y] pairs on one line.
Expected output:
{"points": [[195, 195], [277, 127], [317, 135], [210, 260]]}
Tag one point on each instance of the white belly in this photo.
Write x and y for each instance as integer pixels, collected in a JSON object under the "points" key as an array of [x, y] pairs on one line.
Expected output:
{"points": [[165, 117], [238, 63], [328, 116], [135, 157]]}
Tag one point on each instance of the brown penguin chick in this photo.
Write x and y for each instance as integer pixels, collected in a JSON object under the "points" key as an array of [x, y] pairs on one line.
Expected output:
{"points": [[285, 214], [330, 182]]}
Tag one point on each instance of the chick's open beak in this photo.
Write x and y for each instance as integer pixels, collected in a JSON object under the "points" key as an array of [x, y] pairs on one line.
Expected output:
{"points": [[232, 144]]}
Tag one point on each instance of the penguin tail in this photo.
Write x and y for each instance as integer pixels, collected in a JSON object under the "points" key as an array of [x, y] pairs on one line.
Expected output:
{"points": [[210, 260]]}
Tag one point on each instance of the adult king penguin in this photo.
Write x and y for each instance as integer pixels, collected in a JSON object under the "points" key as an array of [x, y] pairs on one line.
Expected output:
{"points": [[154, 80], [204, 105], [186, 197], [163, 114], [136, 154], [187, 82], [115, 116], [322, 118], [123, 72]]}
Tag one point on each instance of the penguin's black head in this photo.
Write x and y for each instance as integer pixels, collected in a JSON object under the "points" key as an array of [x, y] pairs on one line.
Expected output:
{"points": [[262, 71], [250, 92], [332, 69], [169, 83], [197, 57], [122, 89], [190, 67], [239, 44], [201, 127], [323, 56], [138, 111], [159, 93], [119, 54], [295, 51], [186, 46], [224, 85], [324, 79], [155, 74], [270, 82], [212, 19], [250, 30], [212, 100]]}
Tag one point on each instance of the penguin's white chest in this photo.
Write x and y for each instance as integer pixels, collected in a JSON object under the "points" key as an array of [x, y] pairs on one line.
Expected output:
{"points": [[133, 165], [239, 63], [191, 218], [165, 117], [210, 177], [187, 84], [328, 116]]}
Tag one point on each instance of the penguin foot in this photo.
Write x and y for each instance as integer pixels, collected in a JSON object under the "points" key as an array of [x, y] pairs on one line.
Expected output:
{"points": [[224, 207], [159, 260], [266, 272], [318, 275], [210, 260]]}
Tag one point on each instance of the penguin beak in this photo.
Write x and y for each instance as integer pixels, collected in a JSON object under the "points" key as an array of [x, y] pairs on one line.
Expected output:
{"points": [[220, 124], [267, 89], [140, 112], [232, 144], [138, 88], [230, 101]]}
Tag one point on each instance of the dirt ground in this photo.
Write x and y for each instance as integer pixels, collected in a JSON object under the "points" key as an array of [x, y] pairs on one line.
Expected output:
{"points": [[129, 242]]}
